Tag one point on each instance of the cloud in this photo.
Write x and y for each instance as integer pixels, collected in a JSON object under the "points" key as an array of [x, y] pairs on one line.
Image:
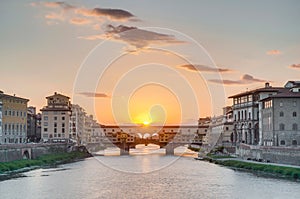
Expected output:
{"points": [[112, 14], [135, 37], [95, 95], [203, 68], [295, 66], [109, 13], [55, 16], [80, 21], [273, 52], [245, 79]]}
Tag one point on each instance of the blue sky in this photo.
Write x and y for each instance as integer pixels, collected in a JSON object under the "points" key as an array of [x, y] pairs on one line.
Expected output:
{"points": [[44, 45]]}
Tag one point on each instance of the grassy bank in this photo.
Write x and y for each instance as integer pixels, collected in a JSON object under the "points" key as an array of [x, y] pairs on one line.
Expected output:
{"points": [[279, 171], [45, 160]]}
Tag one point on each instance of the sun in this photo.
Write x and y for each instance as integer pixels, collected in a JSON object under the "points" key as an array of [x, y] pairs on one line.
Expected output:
{"points": [[146, 123]]}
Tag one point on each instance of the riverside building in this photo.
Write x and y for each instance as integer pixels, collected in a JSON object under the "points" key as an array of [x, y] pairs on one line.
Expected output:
{"points": [[246, 114], [281, 118], [13, 119], [56, 118]]}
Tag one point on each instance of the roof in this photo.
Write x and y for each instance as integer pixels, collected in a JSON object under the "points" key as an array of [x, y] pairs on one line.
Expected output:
{"points": [[263, 89], [57, 95], [285, 93], [2, 95]]}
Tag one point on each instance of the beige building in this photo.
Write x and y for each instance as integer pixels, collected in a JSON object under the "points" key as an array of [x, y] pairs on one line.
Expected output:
{"points": [[56, 118], [13, 119]]}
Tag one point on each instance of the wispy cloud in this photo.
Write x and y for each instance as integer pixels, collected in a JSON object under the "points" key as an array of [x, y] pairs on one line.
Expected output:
{"points": [[55, 16], [95, 95], [273, 52], [112, 14], [245, 79], [203, 68], [98, 14], [135, 37], [295, 66], [80, 21]]}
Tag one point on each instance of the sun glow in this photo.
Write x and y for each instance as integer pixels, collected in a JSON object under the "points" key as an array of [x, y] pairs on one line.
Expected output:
{"points": [[146, 123]]}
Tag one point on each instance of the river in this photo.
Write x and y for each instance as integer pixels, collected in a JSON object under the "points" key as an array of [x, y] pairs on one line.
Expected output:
{"points": [[144, 176]]}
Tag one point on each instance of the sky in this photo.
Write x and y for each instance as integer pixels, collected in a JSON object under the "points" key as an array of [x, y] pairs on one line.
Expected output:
{"points": [[133, 61]]}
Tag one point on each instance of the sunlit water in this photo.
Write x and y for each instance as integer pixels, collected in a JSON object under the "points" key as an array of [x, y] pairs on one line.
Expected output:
{"points": [[145, 176]]}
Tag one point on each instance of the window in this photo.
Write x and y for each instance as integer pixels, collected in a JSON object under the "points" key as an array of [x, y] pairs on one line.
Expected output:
{"points": [[63, 125], [294, 142], [294, 114], [281, 127], [45, 123], [227, 128], [55, 130], [55, 124], [281, 114], [294, 103], [45, 117], [295, 127], [55, 118], [282, 142], [45, 129], [281, 104], [63, 130], [63, 118]]}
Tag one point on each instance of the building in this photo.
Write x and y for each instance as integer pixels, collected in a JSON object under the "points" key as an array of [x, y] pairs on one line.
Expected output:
{"points": [[33, 125], [281, 117], [77, 123], [13, 119], [246, 114], [56, 118]]}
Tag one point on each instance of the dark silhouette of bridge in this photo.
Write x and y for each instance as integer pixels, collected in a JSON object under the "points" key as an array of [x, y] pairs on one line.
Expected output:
{"points": [[168, 140]]}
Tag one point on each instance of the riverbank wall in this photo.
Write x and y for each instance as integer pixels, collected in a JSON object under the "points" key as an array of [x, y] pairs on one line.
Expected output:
{"points": [[281, 155], [14, 152]]}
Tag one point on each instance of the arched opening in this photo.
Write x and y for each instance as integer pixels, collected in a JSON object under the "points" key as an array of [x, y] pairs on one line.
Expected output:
{"points": [[282, 142], [256, 134], [26, 155]]}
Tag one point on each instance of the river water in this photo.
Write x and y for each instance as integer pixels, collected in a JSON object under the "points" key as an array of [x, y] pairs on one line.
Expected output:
{"points": [[144, 176]]}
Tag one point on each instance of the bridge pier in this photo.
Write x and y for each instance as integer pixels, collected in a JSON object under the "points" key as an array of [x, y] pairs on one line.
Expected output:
{"points": [[124, 149], [170, 149]]}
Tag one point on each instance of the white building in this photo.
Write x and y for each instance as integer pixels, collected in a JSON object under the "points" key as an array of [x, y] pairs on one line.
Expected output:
{"points": [[77, 123], [56, 118]]}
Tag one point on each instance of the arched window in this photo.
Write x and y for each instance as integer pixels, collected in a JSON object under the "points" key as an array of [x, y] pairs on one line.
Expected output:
{"points": [[245, 115], [294, 114], [294, 142], [239, 116], [295, 127], [281, 126], [281, 114], [282, 142]]}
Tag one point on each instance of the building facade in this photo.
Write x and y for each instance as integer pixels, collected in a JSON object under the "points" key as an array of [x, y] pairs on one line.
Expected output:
{"points": [[13, 119], [281, 118], [56, 118], [247, 113], [33, 125], [77, 123]]}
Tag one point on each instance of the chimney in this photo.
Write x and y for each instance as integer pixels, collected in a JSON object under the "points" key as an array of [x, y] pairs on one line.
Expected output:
{"points": [[267, 85]]}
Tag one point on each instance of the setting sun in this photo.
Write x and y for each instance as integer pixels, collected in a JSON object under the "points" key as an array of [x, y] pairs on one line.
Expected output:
{"points": [[146, 123]]}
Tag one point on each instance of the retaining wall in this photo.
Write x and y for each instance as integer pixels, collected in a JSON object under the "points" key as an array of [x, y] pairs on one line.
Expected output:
{"points": [[282, 155]]}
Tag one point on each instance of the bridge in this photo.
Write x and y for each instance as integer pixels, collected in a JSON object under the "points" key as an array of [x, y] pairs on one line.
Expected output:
{"points": [[168, 137]]}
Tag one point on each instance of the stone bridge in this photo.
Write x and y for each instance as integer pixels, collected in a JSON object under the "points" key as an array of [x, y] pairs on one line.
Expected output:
{"points": [[167, 140]]}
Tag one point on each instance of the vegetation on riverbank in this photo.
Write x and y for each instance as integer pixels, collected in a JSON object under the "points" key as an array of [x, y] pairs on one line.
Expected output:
{"points": [[279, 171], [45, 160]]}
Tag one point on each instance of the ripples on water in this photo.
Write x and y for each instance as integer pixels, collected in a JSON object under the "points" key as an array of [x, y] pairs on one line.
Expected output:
{"points": [[144, 176]]}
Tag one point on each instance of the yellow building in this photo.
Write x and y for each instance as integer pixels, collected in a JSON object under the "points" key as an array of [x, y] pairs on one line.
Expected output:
{"points": [[13, 119]]}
